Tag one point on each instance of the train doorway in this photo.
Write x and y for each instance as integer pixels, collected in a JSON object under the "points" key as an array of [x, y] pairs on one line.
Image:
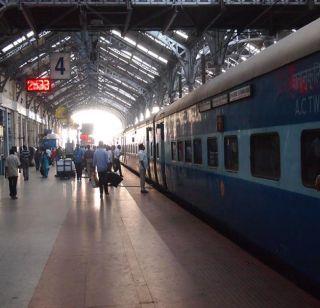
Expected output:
{"points": [[160, 149]]}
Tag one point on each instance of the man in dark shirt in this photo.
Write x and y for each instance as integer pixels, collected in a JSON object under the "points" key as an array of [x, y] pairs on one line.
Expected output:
{"points": [[24, 158], [88, 157]]}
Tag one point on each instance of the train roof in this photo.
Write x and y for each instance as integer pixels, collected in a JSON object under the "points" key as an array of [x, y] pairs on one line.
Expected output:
{"points": [[291, 48]]}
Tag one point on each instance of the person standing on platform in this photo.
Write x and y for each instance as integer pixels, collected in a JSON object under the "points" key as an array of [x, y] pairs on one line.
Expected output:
{"points": [[116, 155], [53, 156], [59, 153], [37, 158], [25, 161], [11, 168], [143, 165], [78, 160], [88, 157], [100, 161], [45, 164], [110, 160]]}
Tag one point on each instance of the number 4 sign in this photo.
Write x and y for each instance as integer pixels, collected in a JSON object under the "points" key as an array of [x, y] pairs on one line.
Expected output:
{"points": [[60, 65]]}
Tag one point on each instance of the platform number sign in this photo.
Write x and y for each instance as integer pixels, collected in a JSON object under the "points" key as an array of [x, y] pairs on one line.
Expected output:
{"points": [[60, 65]]}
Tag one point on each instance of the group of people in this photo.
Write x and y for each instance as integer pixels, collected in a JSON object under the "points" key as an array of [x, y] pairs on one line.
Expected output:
{"points": [[103, 158], [17, 162], [84, 158]]}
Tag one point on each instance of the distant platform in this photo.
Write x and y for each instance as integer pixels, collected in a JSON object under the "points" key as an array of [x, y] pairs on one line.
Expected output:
{"points": [[61, 246]]}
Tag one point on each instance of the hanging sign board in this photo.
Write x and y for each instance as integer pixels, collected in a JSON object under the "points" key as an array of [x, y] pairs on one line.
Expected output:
{"points": [[60, 65], [61, 113], [240, 93], [204, 106], [219, 100]]}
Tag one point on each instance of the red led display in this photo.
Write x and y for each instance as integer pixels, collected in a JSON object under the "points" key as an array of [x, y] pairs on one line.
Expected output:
{"points": [[38, 85]]}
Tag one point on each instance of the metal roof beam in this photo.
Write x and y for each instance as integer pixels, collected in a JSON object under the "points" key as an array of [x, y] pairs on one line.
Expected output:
{"points": [[29, 19]]}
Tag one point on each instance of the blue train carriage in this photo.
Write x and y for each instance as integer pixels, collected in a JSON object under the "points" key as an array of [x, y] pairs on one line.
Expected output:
{"points": [[245, 150]]}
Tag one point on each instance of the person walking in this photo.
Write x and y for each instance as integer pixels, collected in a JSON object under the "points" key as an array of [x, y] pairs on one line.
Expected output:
{"points": [[37, 159], [88, 157], [78, 160], [100, 161], [143, 165], [25, 161], [11, 171], [45, 164], [117, 153]]}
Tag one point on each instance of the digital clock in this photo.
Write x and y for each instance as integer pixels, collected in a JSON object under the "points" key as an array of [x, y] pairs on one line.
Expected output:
{"points": [[38, 85]]}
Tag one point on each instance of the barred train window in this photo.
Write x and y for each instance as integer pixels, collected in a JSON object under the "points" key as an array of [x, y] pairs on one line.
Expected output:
{"points": [[212, 146], [180, 151], [265, 155], [188, 151], [173, 150], [197, 151], [231, 153], [310, 156]]}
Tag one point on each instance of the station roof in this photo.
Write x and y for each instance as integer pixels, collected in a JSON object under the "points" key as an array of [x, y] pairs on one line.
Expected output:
{"points": [[111, 64]]}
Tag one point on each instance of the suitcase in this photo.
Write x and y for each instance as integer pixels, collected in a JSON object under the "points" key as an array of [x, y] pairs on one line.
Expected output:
{"points": [[114, 179]]}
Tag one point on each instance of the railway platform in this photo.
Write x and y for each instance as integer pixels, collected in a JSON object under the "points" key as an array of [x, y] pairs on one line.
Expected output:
{"points": [[61, 246]]}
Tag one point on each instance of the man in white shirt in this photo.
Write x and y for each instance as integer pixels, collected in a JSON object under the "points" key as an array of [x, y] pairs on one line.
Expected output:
{"points": [[110, 158], [12, 165], [143, 165], [117, 154]]}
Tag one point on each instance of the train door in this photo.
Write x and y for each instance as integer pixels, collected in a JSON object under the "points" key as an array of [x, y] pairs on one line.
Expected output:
{"points": [[160, 153], [149, 149]]}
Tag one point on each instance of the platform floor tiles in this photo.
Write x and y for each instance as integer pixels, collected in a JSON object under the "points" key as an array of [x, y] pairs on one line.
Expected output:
{"points": [[60, 246]]}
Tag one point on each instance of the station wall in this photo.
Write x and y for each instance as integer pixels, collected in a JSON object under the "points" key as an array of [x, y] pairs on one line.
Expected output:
{"points": [[21, 125]]}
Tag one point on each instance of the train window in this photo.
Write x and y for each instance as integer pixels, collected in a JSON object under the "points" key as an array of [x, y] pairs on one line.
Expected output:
{"points": [[310, 156], [180, 151], [197, 151], [212, 148], [173, 150], [231, 153], [157, 150], [265, 155], [188, 151]]}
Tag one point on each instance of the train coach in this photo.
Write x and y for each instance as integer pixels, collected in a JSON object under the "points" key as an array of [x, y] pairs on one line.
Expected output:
{"points": [[244, 150]]}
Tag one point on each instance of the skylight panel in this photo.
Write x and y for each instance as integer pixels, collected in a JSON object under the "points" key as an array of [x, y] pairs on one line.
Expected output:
{"points": [[181, 34], [151, 53], [130, 41], [103, 39], [7, 48], [157, 41], [30, 34], [116, 32], [19, 41], [143, 48], [163, 60]]}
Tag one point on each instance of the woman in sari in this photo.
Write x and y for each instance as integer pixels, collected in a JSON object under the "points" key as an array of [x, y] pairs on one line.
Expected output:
{"points": [[44, 164]]}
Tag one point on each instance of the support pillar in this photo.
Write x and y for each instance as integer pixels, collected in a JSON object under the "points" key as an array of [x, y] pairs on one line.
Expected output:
{"points": [[218, 41]]}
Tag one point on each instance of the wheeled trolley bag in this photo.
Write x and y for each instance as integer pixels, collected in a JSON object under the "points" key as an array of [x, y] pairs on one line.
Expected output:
{"points": [[65, 168]]}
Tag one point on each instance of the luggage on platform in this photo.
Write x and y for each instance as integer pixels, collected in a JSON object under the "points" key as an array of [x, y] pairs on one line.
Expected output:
{"points": [[65, 168], [114, 179]]}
